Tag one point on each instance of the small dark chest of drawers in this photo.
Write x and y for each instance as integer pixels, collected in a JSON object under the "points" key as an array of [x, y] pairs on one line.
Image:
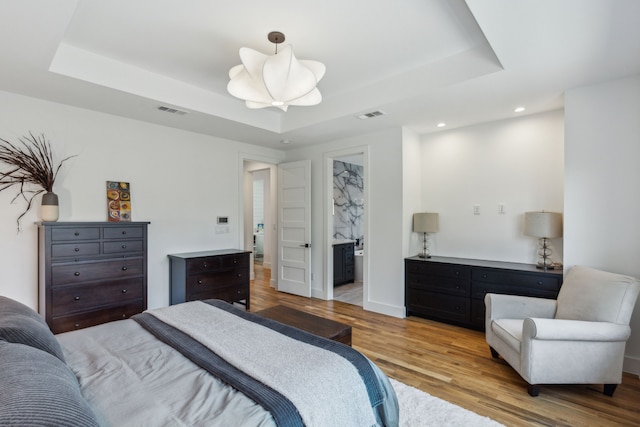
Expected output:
{"points": [[452, 290], [91, 272], [220, 274]]}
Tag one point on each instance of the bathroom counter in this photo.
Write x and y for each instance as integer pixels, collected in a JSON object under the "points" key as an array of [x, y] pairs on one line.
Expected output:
{"points": [[342, 241]]}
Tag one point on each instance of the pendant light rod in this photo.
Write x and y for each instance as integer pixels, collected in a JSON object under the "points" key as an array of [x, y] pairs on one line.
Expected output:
{"points": [[276, 37]]}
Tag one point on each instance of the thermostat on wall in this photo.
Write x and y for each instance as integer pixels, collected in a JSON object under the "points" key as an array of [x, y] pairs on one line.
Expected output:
{"points": [[223, 220]]}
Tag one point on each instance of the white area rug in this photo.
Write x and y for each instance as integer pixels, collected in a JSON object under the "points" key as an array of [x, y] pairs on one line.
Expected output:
{"points": [[419, 409]]}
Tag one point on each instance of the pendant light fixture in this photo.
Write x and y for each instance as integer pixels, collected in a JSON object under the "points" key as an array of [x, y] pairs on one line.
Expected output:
{"points": [[278, 80]]}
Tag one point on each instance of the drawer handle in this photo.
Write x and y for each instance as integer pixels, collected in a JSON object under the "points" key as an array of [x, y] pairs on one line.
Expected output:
{"points": [[124, 316], [77, 249], [204, 264], [457, 273], [540, 282], [484, 276], [235, 261], [124, 291], [76, 298], [199, 282], [77, 273], [239, 274], [124, 246], [76, 233], [77, 325], [124, 232], [124, 268]]}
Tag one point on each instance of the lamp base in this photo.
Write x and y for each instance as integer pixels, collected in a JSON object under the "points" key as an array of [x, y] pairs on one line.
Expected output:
{"points": [[546, 267], [424, 256]]}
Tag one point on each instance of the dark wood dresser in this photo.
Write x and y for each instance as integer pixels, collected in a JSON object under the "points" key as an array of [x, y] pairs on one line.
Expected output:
{"points": [[220, 274], [452, 290], [91, 272]]}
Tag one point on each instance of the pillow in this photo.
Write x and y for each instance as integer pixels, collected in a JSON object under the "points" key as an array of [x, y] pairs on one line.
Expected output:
{"points": [[20, 324], [37, 388]]}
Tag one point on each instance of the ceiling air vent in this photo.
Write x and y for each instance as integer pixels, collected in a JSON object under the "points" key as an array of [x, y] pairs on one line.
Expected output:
{"points": [[371, 115], [172, 110]]}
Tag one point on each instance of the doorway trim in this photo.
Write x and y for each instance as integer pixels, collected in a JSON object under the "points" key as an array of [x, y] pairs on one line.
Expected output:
{"points": [[328, 159], [242, 191]]}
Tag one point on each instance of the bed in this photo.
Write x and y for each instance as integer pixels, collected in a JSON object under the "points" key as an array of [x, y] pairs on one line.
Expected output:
{"points": [[192, 364]]}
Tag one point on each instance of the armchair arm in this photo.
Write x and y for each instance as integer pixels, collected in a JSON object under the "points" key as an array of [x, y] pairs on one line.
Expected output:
{"points": [[574, 330], [500, 306]]}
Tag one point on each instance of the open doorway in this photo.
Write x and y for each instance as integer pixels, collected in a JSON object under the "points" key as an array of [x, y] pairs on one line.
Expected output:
{"points": [[348, 228], [259, 213]]}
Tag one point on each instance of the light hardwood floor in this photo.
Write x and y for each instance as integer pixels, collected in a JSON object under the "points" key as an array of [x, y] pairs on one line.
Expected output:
{"points": [[454, 364]]}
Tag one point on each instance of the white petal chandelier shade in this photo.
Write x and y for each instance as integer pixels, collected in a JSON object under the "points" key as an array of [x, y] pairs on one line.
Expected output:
{"points": [[278, 80]]}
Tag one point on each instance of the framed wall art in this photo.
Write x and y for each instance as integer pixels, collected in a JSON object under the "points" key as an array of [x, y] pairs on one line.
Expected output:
{"points": [[118, 201]]}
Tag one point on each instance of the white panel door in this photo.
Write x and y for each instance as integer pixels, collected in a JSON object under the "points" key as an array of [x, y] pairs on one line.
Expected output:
{"points": [[294, 228]]}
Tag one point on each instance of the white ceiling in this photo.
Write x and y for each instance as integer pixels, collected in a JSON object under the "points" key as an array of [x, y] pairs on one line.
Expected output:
{"points": [[419, 61]]}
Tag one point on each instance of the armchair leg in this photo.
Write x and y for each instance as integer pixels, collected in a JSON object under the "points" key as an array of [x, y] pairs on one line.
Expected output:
{"points": [[609, 389], [494, 353], [533, 390]]}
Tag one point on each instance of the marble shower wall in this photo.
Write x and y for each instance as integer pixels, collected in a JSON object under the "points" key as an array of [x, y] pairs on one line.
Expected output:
{"points": [[348, 202]]}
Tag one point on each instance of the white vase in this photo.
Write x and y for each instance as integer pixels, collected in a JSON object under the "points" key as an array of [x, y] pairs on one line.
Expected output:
{"points": [[49, 209]]}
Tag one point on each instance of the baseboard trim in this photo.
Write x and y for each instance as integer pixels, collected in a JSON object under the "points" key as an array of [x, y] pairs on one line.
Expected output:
{"points": [[631, 365], [389, 310]]}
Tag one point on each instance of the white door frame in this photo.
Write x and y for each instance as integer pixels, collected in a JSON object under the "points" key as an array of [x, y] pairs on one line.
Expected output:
{"points": [[244, 241], [328, 218]]}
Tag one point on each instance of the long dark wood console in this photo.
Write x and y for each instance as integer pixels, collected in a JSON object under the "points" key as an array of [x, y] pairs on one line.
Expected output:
{"points": [[452, 290]]}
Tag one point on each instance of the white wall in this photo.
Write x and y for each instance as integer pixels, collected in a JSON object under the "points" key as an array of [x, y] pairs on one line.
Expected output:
{"points": [[602, 185], [383, 211], [518, 162], [412, 190], [180, 181]]}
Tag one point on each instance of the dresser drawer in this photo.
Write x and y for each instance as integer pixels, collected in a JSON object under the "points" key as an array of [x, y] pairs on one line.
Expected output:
{"points": [[124, 232], [92, 318], [458, 272], [480, 289], [214, 280], [227, 293], [82, 272], [199, 265], [123, 246], [232, 261], [439, 306], [75, 298], [516, 279], [75, 233], [75, 249]]}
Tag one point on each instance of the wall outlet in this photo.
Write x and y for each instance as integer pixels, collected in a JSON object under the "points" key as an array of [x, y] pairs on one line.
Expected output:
{"points": [[476, 209], [501, 209]]}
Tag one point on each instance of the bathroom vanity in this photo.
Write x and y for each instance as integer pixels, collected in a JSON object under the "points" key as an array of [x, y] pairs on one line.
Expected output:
{"points": [[343, 262]]}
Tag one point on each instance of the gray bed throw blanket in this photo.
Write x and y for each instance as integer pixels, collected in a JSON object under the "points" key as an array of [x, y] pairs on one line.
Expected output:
{"points": [[326, 388]]}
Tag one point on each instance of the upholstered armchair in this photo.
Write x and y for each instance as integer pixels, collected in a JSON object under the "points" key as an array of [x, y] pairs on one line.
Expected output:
{"points": [[577, 339]]}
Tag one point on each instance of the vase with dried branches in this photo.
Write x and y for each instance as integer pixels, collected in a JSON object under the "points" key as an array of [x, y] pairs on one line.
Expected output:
{"points": [[30, 167]]}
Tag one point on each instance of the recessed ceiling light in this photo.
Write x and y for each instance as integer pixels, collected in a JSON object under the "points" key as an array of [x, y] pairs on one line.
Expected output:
{"points": [[441, 125], [518, 110]]}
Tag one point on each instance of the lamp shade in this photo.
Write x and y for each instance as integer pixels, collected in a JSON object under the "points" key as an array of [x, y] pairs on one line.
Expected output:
{"points": [[425, 222], [275, 81], [543, 224]]}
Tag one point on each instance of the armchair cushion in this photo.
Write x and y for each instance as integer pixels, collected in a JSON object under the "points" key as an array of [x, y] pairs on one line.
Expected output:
{"points": [[518, 307], [599, 296]]}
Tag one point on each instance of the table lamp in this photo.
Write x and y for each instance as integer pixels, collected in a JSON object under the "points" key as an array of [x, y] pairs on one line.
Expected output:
{"points": [[425, 222], [543, 225]]}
